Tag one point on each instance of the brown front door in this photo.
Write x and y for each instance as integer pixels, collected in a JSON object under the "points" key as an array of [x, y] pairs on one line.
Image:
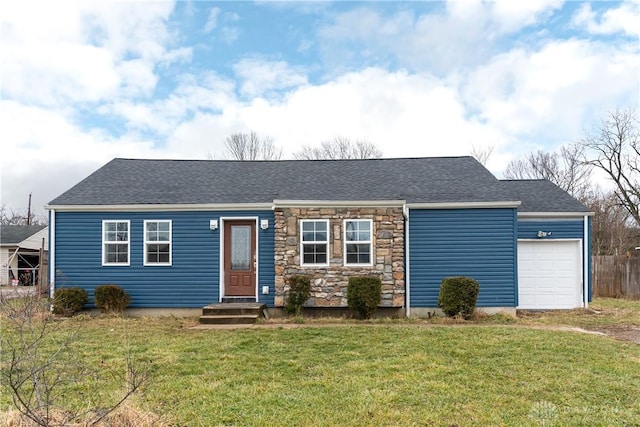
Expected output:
{"points": [[240, 258]]}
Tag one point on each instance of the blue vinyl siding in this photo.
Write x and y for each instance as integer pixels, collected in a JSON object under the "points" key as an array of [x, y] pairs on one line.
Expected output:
{"points": [[479, 243], [560, 229], [191, 281]]}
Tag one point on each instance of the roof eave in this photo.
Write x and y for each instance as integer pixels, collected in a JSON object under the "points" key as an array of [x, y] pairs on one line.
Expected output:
{"points": [[554, 214], [283, 203], [465, 205], [161, 207]]}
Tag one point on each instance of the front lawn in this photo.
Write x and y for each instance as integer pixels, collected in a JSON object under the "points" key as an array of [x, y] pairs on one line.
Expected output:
{"points": [[367, 375]]}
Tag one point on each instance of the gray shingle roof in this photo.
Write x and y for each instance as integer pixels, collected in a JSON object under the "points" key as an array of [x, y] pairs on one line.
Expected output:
{"points": [[541, 195], [416, 180], [14, 234]]}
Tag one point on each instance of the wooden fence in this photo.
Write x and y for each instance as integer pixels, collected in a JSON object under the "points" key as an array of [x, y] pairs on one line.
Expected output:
{"points": [[616, 276]]}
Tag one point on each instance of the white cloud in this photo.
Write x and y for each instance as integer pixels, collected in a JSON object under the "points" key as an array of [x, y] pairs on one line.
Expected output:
{"points": [[463, 34], [229, 34], [405, 114], [224, 23], [137, 77], [260, 77], [207, 92], [623, 19], [71, 72], [512, 16], [48, 154], [212, 20], [546, 94], [84, 51]]}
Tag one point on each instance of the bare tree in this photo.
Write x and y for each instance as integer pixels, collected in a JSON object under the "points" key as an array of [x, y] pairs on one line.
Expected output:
{"points": [[566, 169], [614, 147], [250, 146], [40, 363], [482, 154], [611, 233], [9, 216], [339, 148]]}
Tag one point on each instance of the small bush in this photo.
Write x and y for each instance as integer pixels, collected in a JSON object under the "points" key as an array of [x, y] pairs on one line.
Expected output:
{"points": [[458, 296], [111, 298], [364, 294], [69, 301], [299, 292]]}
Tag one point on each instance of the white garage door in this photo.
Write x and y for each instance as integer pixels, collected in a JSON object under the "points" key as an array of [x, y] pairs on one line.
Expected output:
{"points": [[549, 274]]}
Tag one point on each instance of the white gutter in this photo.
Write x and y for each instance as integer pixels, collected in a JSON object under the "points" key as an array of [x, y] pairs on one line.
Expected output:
{"points": [[52, 253], [337, 203], [162, 207], [554, 214], [407, 264], [585, 262], [465, 205], [227, 206]]}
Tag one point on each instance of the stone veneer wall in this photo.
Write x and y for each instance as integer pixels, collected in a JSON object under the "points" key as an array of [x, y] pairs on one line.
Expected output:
{"points": [[329, 284]]}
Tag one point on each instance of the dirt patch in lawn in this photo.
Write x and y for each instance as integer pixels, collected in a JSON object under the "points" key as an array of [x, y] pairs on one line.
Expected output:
{"points": [[619, 319], [629, 333]]}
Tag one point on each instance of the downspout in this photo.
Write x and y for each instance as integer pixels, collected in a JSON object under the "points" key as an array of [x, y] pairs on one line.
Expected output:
{"points": [[52, 252], [407, 281], [585, 262]]}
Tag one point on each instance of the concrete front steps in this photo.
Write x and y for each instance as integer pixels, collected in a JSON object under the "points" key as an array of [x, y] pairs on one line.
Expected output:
{"points": [[233, 313]]}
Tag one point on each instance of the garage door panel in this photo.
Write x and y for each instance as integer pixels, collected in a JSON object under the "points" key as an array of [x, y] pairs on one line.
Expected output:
{"points": [[548, 284], [527, 265], [545, 300], [549, 274], [543, 265], [565, 267]]}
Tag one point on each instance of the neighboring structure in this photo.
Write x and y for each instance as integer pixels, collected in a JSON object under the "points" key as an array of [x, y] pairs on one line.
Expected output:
{"points": [[20, 247], [182, 233]]}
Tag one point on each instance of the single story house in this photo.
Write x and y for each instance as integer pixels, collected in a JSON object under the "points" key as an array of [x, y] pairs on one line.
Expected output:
{"points": [[185, 233], [20, 247]]}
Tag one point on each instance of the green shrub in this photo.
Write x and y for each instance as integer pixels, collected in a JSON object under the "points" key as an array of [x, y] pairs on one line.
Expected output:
{"points": [[458, 296], [299, 292], [69, 301], [111, 298], [364, 294]]}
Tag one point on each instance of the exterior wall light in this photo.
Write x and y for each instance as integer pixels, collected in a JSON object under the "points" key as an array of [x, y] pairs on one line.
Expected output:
{"points": [[213, 224], [264, 224]]}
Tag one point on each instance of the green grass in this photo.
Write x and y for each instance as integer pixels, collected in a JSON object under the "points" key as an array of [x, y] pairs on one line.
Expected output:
{"points": [[371, 375]]}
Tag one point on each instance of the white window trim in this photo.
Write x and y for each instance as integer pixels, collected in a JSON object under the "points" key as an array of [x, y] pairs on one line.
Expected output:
{"points": [[344, 242], [315, 242], [145, 242], [128, 242]]}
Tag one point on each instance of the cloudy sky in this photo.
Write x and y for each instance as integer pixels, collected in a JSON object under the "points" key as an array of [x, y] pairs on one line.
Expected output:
{"points": [[82, 83]]}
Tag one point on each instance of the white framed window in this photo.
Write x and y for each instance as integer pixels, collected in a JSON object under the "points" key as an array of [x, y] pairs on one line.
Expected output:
{"points": [[358, 248], [314, 242], [115, 242], [157, 242]]}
